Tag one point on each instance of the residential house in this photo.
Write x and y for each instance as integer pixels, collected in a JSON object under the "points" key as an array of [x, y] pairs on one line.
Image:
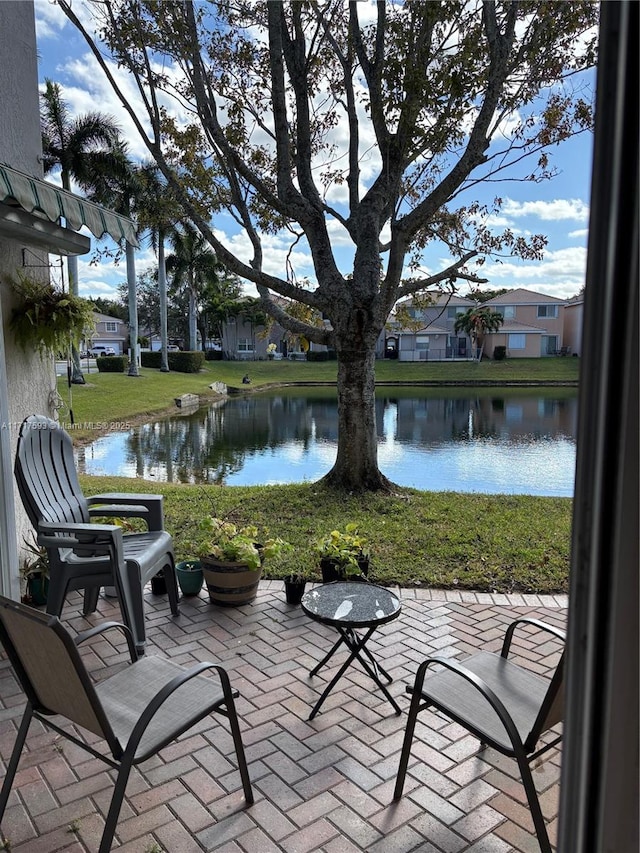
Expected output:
{"points": [[432, 336], [110, 331], [30, 214], [572, 328], [532, 327], [245, 340]]}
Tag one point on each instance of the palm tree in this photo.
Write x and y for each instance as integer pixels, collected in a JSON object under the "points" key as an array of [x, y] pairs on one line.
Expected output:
{"points": [[119, 184], [478, 322], [192, 266], [78, 146], [157, 211]]}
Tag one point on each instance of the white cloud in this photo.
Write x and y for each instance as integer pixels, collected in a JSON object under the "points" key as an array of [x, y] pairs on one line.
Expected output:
{"points": [[549, 211], [560, 274], [49, 18], [581, 232]]}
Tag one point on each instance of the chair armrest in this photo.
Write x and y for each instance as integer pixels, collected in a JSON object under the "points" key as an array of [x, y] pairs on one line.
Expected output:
{"points": [[107, 626], [525, 620], [63, 534], [481, 686], [148, 507]]}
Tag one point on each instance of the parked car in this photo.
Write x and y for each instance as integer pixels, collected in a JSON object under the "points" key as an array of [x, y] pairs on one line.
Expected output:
{"points": [[173, 348], [100, 350]]}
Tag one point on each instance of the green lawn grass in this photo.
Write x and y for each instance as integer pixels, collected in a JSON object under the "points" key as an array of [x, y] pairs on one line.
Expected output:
{"points": [[493, 543], [501, 543]]}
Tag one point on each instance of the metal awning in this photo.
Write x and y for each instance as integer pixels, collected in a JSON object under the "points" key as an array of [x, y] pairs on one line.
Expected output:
{"points": [[39, 197]]}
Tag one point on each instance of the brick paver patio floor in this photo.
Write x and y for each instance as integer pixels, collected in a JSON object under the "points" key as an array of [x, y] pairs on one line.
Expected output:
{"points": [[324, 785]]}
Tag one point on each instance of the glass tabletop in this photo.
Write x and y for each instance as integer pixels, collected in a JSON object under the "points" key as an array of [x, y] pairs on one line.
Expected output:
{"points": [[351, 604]]}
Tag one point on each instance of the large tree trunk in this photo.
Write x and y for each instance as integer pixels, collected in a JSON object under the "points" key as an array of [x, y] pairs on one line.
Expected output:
{"points": [[356, 466]]}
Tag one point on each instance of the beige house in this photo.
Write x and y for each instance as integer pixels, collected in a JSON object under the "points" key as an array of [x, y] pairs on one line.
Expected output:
{"points": [[572, 333], [533, 324], [432, 335], [110, 331]]}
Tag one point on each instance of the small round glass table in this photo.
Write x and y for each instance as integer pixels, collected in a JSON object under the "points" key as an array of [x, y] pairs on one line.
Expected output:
{"points": [[345, 606]]}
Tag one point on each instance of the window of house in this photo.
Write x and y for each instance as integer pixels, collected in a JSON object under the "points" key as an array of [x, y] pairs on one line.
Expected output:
{"points": [[111, 327], [422, 341], [547, 310], [245, 345], [454, 311], [508, 311], [517, 342]]}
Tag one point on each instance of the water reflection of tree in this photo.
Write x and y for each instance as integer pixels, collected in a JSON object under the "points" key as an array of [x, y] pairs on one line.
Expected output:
{"points": [[213, 444]]}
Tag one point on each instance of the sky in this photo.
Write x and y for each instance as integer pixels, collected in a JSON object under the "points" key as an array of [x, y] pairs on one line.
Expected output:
{"points": [[558, 208]]}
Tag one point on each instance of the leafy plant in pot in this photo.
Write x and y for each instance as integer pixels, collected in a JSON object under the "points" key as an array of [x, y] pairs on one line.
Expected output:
{"points": [[190, 577], [344, 555], [294, 585], [232, 557], [34, 569]]}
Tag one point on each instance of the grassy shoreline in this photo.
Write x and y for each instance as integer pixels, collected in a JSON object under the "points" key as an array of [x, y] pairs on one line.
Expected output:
{"points": [[491, 543], [447, 540]]}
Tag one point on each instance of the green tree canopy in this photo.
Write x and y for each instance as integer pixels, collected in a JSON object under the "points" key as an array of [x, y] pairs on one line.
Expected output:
{"points": [[326, 125]]}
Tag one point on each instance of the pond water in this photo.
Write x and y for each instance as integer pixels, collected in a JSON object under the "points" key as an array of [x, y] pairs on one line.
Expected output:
{"points": [[494, 441]]}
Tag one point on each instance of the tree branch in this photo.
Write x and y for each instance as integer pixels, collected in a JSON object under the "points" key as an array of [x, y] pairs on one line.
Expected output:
{"points": [[452, 272]]}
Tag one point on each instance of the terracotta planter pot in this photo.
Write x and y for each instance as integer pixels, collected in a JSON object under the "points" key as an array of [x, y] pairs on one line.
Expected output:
{"points": [[230, 584]]}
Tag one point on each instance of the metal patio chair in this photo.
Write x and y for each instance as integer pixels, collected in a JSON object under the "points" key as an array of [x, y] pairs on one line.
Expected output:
{"points": [[137, 711], [507, 707], [48, 485]]}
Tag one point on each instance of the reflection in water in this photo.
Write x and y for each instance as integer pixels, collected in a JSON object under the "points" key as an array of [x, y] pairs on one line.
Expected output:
{"points": [[490, 443]]}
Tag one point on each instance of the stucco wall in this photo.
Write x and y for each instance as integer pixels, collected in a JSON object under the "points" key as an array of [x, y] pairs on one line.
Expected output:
{"points": [[30, 380]]}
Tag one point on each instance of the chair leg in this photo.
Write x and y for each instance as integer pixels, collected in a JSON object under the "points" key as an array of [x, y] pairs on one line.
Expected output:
{"points": [[406, 744], [137, 606], [15, 758], [239, 747], [55, 597], [534, 803], [171, 582], [91, 594], [115, 805]]}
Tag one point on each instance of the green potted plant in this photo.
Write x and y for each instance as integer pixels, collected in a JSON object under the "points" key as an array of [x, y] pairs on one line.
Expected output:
{"points": [[294, 584], [344, 555], [34, 569], [46, 318], [190, 576], [232, 557]]}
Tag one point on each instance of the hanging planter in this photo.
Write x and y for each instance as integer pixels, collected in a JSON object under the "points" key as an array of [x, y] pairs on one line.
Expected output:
{"points": [[46, 319]]}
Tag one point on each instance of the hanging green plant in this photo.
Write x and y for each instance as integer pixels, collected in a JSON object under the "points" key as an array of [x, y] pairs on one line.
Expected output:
{"points": [[47, 318]]}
